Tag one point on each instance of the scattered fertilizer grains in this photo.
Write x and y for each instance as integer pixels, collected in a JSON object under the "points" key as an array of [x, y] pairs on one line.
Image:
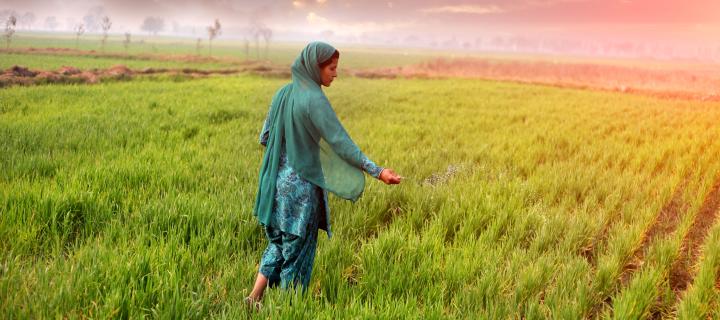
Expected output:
{"points": [[134, 199]]}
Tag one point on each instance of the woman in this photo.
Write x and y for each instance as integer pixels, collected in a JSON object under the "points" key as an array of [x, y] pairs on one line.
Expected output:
{"points": [[308, 153]]}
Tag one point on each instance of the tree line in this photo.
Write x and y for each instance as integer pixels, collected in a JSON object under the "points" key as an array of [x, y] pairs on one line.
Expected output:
{"points": [[96, 21]]}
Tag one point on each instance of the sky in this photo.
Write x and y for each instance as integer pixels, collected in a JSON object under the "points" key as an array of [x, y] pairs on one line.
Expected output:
{"points": [[677, 22]]}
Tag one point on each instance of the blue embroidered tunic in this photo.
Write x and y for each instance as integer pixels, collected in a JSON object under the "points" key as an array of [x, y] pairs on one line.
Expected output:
{"points": [[297, 199]]}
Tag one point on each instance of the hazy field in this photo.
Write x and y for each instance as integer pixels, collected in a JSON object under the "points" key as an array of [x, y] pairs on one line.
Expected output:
{"points": [[281, 53], [278, 52], [134, 198]]}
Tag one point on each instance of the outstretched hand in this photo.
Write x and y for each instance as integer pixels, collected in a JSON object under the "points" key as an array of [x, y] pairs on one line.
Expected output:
{"points": [[389, 176]]}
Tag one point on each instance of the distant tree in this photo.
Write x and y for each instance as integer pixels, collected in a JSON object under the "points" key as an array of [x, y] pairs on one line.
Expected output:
{"points": [[153, 25], [51, 23], [27, 20], [258, 30], [247, 48], [256, 36], [90, 23], [105, 24], [5, 14], [213, 32], [266, 34], [126, 42], [79, 30], [9, 30], [93, 19], [198, 46]]}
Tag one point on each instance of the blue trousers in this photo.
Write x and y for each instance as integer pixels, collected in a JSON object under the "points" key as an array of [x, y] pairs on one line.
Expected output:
{"points": [[288, 259]]}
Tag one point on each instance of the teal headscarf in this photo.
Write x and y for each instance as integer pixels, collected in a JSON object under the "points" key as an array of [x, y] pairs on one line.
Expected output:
{"points": [[317, 146]]}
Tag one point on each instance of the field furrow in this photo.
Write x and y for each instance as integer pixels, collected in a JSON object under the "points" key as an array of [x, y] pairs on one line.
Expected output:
{"points": [[682, 271], [664, 225]]}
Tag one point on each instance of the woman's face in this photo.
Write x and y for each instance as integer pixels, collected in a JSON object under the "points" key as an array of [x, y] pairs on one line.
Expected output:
{"points": [[328, 74]]}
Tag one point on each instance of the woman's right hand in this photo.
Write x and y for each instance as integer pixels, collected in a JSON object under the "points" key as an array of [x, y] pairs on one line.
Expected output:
{"points": [[389, 176]]}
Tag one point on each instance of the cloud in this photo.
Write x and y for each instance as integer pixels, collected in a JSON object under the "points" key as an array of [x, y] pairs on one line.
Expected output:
{"points": [[314, 18], [495, 9], [352, 28], [472, 9]]}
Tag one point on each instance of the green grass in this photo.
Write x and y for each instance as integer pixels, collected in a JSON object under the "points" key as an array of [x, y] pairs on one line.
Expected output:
{"points": [[134, 199]]}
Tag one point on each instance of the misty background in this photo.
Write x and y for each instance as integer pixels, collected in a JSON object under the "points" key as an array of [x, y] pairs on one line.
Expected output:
{"points": [[662, 29]]}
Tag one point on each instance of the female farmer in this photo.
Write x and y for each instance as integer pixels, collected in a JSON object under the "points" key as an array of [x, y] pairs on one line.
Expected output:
{"points": [[308, 153]]}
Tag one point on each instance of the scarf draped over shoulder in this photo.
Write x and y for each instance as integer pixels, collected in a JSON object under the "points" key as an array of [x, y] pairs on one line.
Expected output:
{"points": [[317, 146]]}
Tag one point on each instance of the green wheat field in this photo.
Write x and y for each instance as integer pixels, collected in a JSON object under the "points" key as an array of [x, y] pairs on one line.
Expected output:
{"points": [[130, 199]]}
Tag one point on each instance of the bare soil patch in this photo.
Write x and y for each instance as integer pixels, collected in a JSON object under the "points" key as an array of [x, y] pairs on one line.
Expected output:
{"points": [[190, 58], [682, 84], [18, 75]]}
